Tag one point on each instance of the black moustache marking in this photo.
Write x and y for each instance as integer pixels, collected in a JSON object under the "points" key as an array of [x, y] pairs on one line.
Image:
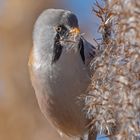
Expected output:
{"points": [[81, 47], [57, 50]]}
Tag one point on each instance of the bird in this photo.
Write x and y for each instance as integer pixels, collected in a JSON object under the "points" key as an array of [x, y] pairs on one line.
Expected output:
{"points": [[59, 67]]}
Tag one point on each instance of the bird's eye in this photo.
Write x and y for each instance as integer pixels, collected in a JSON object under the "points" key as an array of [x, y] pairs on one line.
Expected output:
{"points": [[58, 29]]}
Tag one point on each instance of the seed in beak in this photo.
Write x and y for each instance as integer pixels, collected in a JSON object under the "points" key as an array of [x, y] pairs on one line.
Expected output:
{"points": [[75, 31]]}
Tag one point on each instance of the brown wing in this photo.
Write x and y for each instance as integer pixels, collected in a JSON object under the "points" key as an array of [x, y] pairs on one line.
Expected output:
{"points": [[31, 58], [30, 65]]}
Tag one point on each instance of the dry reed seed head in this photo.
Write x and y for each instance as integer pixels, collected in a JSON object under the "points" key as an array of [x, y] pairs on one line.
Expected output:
{"points": [[113, 101]]}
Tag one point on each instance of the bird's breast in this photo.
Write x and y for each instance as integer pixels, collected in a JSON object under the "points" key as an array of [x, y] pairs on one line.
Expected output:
{"points": [[58, 88]]}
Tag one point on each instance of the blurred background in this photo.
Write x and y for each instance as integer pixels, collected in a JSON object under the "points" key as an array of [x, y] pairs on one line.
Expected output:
{"points": [[20, 117]]}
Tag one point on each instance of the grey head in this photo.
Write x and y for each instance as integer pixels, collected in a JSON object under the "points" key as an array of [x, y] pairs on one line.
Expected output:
{"points": [[55, 30]]}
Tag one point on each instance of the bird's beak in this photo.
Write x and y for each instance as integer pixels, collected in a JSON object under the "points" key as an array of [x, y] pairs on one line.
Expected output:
{"points": [[74, 31]]}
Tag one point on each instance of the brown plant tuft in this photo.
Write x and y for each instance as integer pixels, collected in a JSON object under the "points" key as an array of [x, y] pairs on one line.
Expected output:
{"points": [[113, 100]]}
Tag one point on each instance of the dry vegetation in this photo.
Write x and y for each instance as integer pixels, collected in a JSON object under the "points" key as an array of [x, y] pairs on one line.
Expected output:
{"points": [[113, 101]]}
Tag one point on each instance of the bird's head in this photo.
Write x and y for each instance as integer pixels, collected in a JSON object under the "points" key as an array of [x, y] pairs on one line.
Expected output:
{"points": [[57, 29]]}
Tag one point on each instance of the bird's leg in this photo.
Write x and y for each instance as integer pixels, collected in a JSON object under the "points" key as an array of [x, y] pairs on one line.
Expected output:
{"points": [[84, 137], [92, 136]]}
